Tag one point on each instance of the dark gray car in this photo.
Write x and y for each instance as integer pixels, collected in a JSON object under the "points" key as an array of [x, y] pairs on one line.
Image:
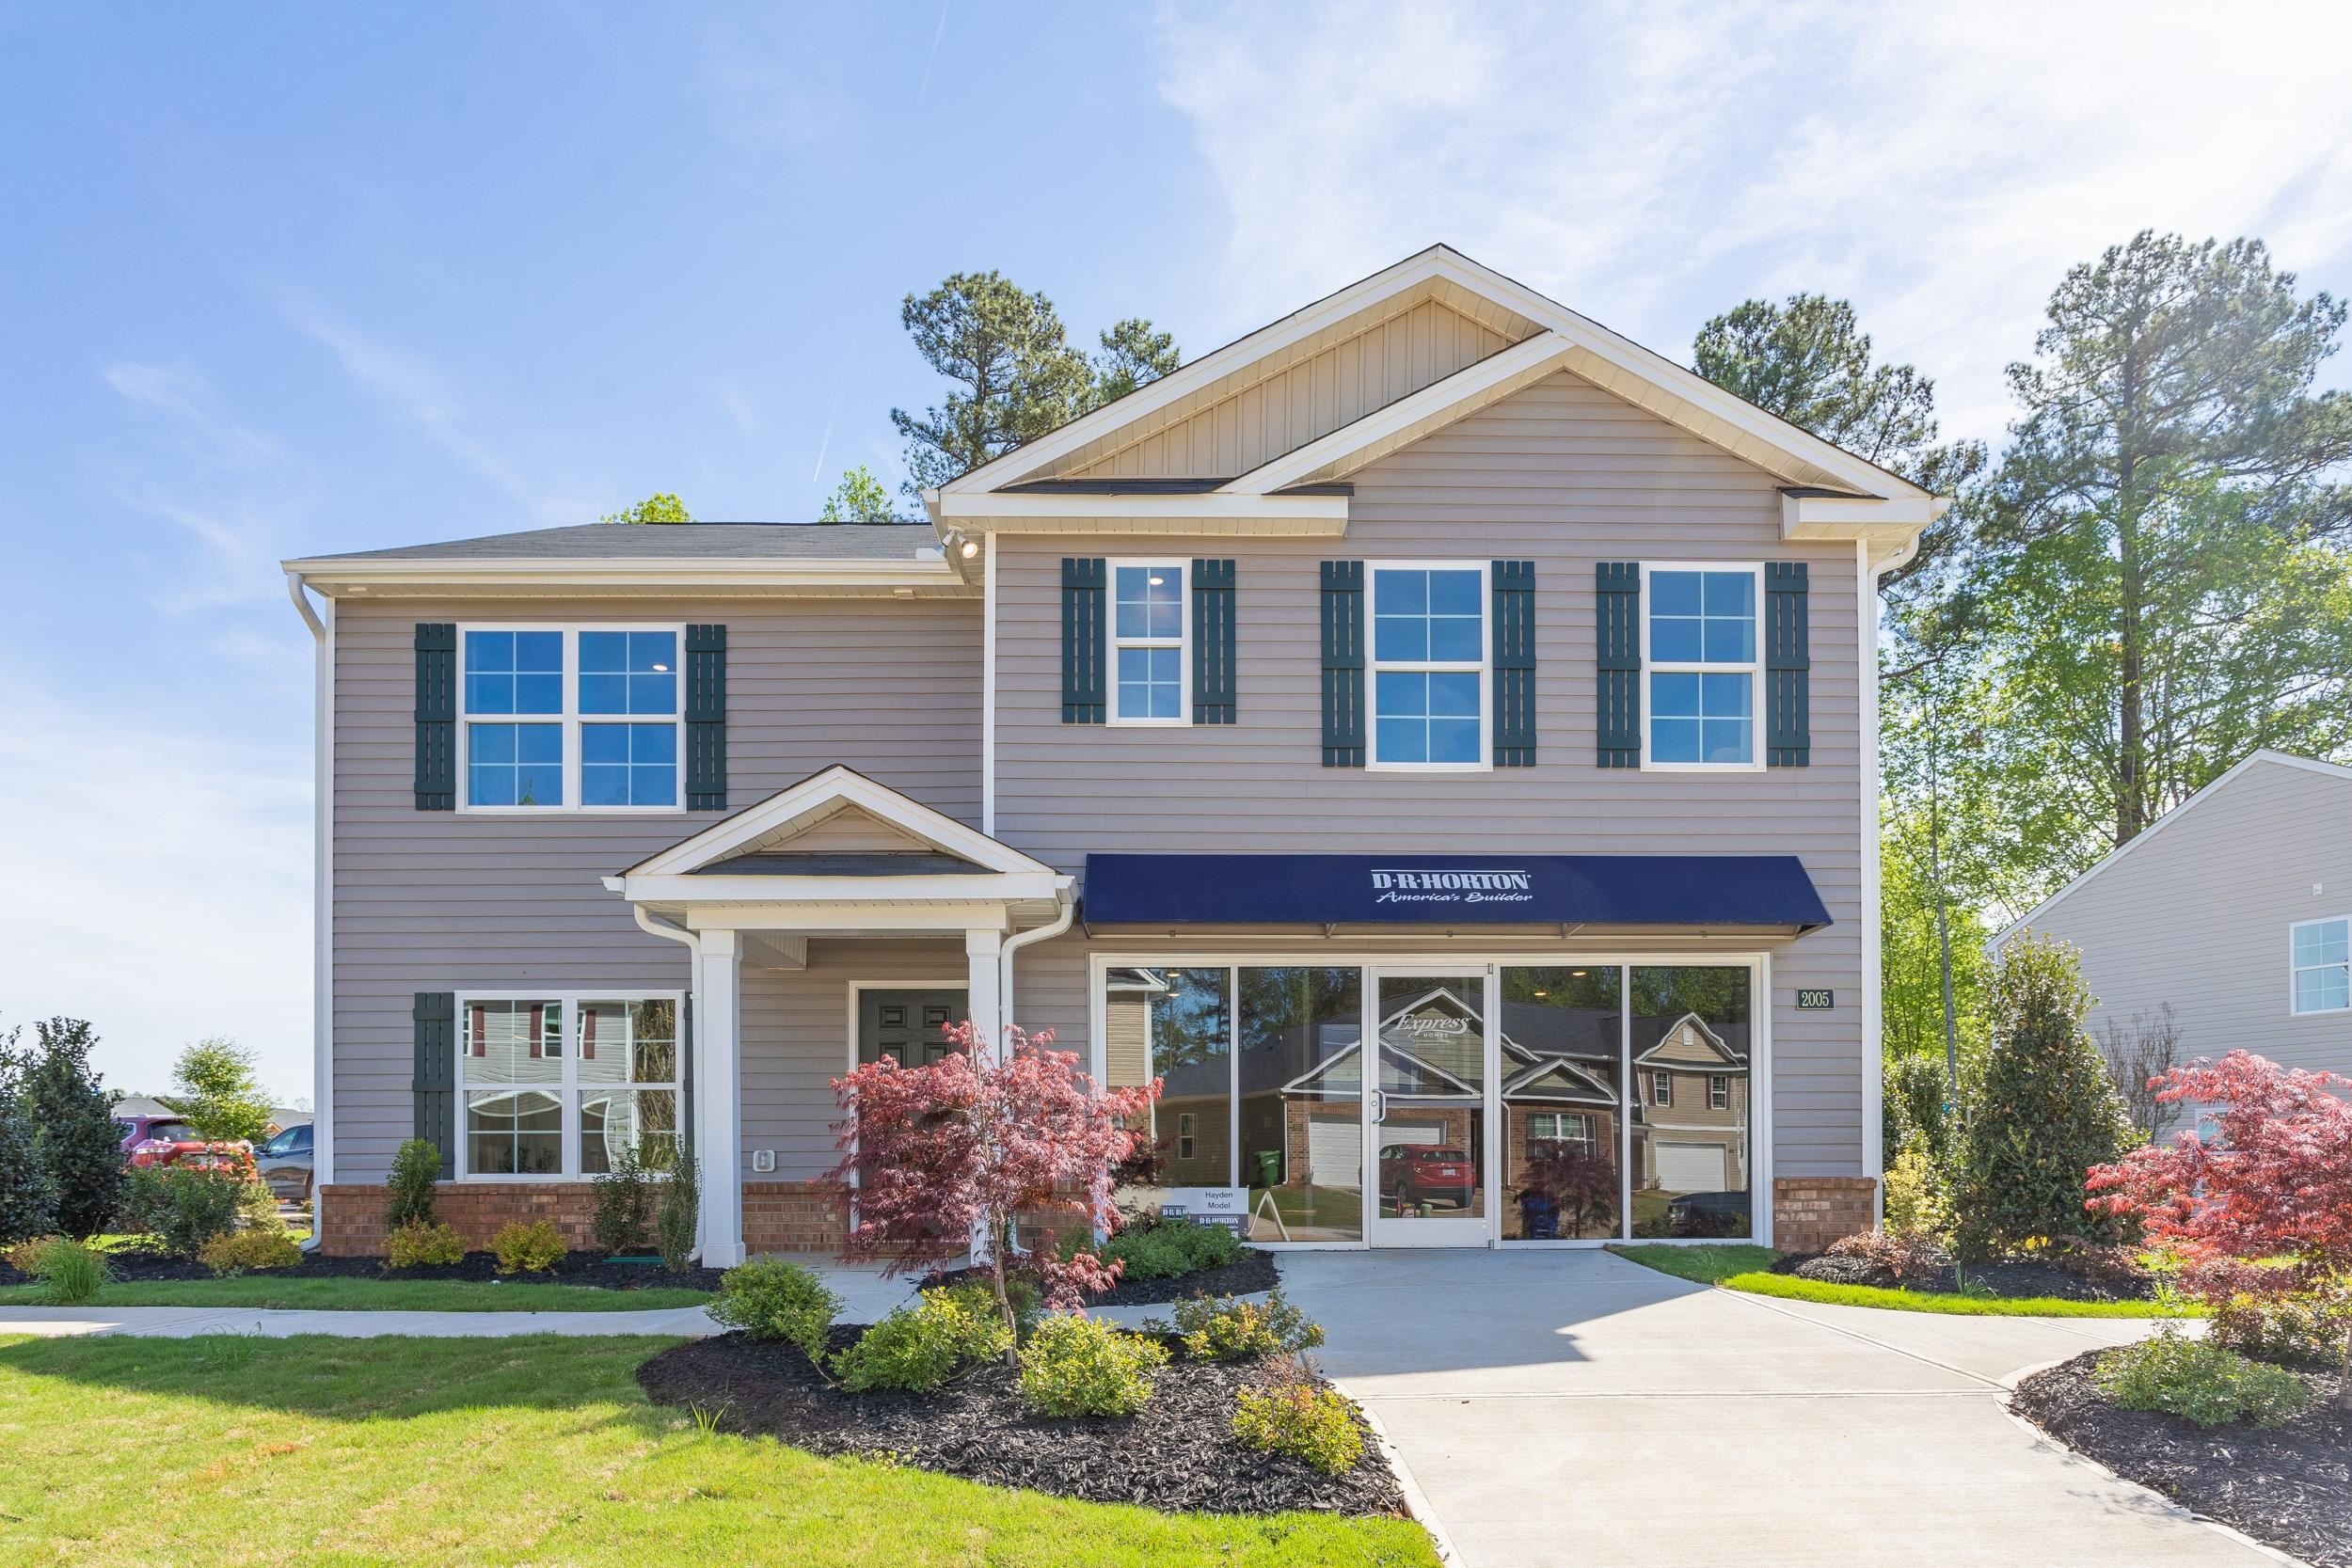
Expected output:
{"points": [[284, 1162]]}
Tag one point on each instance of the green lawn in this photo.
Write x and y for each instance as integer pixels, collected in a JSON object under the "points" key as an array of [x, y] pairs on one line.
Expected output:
{"points": [[1741, 1267], [374, 1296], [525, 1451]]}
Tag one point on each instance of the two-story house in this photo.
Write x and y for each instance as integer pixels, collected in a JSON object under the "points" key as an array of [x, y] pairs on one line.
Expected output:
{"points": [[1432, 673]]}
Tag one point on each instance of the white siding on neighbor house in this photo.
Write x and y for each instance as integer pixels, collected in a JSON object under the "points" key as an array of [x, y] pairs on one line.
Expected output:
{"points": [[1309, 400], [2197, 916], [449, 900], [1567, 475]]}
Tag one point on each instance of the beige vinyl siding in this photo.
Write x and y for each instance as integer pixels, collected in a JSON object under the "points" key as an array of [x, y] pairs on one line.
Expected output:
{"points": [[2198, 915], [448, 900], [1308, 401], [847, 830], [1565, 474]]}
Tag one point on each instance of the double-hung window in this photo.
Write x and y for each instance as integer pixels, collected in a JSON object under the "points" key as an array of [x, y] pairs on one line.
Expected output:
{"points": [[1572, 1128], [561, 719], [563, 1085], [1699, 667], [2321, 959], [1661, 1088], [1150, 643], [1430, 672], [1718, 1091]]}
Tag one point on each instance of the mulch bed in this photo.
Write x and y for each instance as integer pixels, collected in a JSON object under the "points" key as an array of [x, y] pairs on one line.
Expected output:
{"points": [[2287, 1486], [1177, 1454], [578, 1268], [2016, 1277], [1255, 1271]]}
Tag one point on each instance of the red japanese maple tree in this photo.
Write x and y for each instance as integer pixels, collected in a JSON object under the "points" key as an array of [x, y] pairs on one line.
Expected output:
{"points": [[954, 1153], [2263, 1210]]}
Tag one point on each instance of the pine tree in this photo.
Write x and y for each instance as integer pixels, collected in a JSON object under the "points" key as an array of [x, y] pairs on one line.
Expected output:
{"points": [[73, 1127], [2047, 1113]]}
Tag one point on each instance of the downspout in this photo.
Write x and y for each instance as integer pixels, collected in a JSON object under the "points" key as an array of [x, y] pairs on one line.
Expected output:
{"points": [[1873, 974], [1014, 944], [321, 899], [653, 926]]}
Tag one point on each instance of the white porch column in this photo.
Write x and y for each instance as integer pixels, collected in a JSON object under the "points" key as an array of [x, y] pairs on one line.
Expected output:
{"points": [[718, 1086], [983, 948]]}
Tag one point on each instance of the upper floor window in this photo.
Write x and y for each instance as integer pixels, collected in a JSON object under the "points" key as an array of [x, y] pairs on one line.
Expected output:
{"points": [[1718, 1091], [1429, 666], [1661, 1088], [1150, 643], [2322, 962], [557, 719], [1699, 666]]}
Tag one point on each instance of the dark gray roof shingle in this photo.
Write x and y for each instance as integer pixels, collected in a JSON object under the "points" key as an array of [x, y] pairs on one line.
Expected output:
{"points": [[675, 542]]}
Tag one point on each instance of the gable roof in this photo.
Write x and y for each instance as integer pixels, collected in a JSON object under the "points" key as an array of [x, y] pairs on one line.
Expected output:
{"points": [[762, 832], [1538, 337], [2245, 764]]}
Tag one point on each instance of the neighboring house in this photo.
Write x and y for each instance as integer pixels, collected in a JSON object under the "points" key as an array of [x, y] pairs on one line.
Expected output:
{"points": [[1432, 655], [2235, 907]]}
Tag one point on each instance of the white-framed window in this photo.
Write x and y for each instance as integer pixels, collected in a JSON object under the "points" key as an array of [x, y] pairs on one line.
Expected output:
{"points": [[1431, 675], [1573, 1128], [1701, 691], [1150, 643], [1187, 1134], [559, 1084], [571, 718], [1661, 1088], [1718, 1092], [2320, 957]]}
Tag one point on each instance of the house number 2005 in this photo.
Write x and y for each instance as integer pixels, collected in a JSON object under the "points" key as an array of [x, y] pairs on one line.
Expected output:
{"points": [[1816, 1001]]}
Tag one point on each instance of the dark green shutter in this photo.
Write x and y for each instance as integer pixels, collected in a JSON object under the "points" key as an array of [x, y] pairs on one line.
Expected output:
{"points": [[435, 1076], [1788, 666], [705, 717], [1617, 619], [437, 716], [1212, 642], [1342, 664], [1082, 641], [1513, 595]]}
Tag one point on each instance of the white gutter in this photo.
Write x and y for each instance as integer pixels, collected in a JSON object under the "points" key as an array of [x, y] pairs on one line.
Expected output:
{"points": [[322, 899], [1014, 944]]}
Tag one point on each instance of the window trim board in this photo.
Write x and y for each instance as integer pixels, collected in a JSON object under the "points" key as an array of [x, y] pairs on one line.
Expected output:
{"points": [[568, 1087], [1375, 665], [1753, 669], [2294, 969], [1113, 642], [569, 721]]}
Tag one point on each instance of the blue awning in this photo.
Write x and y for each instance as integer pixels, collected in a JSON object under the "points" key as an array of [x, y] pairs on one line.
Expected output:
{"points": [[1707, 891]]}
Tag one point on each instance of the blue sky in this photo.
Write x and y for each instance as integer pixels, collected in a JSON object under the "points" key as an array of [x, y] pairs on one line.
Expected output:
{"points": [[285, 281]]}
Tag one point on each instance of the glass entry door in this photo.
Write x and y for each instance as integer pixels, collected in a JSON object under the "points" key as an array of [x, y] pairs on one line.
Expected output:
{"points": [[1428, 1119]]}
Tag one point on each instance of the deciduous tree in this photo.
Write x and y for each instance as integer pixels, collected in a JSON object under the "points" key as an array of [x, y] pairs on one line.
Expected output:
{"points": [[966, 1146], [662, 508], [2261, 1209], [218, 1093], [860, 497]]}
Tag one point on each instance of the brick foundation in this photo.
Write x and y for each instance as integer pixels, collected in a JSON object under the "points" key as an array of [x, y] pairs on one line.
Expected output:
{"points": [[778, 1216], [1811, 1211]]}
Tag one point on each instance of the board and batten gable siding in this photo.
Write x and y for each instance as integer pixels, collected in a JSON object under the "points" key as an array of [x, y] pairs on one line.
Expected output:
{"points": [[448, 900], [1309, 400], [2197, 916], [1565, 475]]}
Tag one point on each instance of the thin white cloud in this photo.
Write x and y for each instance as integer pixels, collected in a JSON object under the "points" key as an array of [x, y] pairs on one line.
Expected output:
{"points": [[1651, 165], [161, 888]]}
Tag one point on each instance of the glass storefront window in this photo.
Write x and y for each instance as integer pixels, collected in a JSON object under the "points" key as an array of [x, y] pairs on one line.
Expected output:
{"points": [[1301, 1074], [1563, 1033], [1173, 1024], [1690, 1154], [1431, 1120]]}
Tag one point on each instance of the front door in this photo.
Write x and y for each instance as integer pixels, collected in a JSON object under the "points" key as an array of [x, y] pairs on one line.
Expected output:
{"points": [[907, 1024], [1425, 1125]]}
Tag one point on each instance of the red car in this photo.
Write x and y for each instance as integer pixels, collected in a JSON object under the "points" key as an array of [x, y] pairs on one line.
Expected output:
{"points": [[1412, 1175], [166, 1142]]}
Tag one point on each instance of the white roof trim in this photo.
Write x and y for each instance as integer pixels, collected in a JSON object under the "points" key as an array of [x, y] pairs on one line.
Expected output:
{"points": [[1207, 512], [1618, 364], [1731, 1062], [837, 786], [339, 578], [2309, 765]]}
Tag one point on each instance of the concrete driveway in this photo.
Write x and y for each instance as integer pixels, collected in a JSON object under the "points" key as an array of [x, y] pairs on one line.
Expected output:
{"points": [[1573, 1408]]}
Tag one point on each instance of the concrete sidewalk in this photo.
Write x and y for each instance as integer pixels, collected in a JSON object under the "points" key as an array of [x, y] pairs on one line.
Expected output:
{"points": [[1573, 1408]]}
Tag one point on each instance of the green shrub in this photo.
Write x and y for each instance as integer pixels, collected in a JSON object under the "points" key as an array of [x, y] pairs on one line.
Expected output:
{"points": [[2304, 1327], [185, 1207], [73, 1272], [1226, 1328], [678, 1216], [2210, 1384], [78, 1139], [234, 1252], [1079, 1366], [421, 1242], [415, 1169], [534, 1248], [917, 1347], [778, 1301], [24, 1254], [1917, 1090], [2046, 1112], [28, 1199], [1313, 1424], [1915, 1196], [1167, 1249], [625, 1203]]}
